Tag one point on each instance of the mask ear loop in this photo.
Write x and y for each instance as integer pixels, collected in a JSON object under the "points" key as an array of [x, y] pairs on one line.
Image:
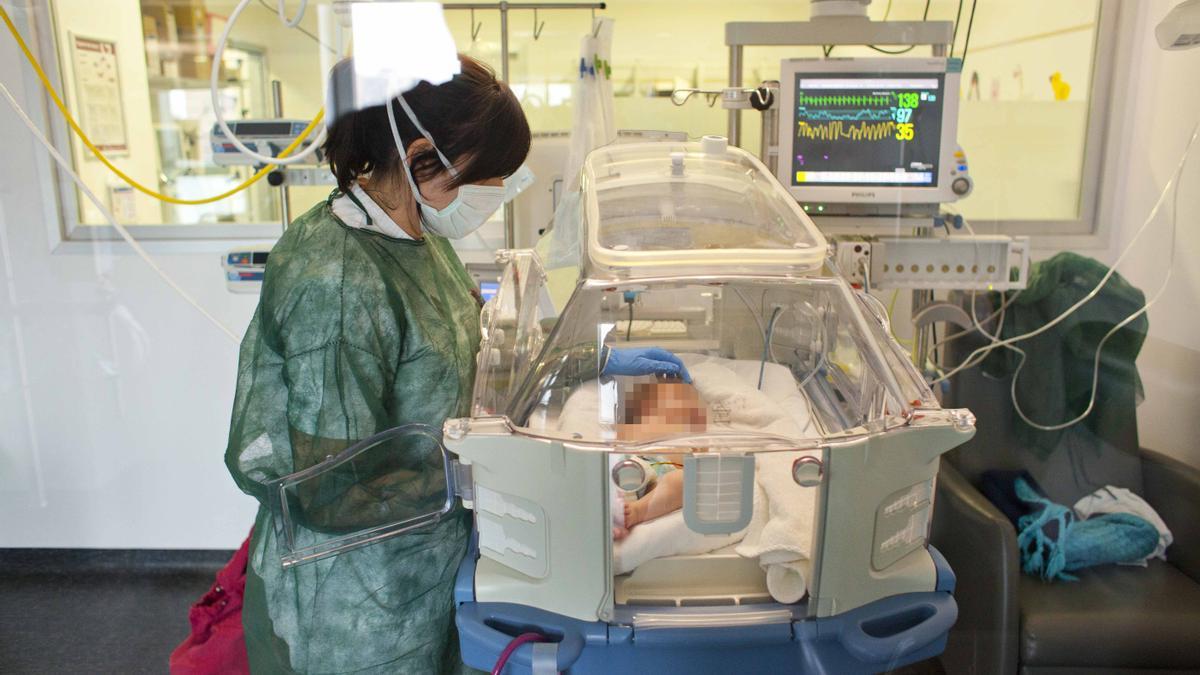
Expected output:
{"points": [[391, 115], [412, 117]]}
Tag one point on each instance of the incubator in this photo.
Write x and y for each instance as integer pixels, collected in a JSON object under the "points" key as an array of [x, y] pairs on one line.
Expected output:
{"points": [[768, 511]]}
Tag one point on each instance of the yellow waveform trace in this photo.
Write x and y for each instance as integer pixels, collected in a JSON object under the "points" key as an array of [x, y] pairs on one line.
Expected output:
{"points": [[861, 131]]}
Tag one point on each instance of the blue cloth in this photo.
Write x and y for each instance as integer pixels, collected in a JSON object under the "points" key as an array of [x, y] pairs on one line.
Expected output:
{"points": [[645, 361], [1053, 542]]}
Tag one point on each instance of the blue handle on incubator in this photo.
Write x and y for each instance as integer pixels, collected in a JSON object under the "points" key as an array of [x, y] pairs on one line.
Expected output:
{"points": [[900, 630], [475, 627]]}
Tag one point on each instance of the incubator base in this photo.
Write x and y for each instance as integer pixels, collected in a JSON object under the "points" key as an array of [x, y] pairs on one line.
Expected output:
{"points": [[879, 636]]}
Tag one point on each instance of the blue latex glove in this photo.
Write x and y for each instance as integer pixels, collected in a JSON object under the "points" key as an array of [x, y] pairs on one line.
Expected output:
{"points": [[645, 361]]}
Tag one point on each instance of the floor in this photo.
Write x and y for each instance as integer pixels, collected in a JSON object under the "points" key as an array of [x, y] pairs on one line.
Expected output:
{"points": [[115, 611], [90, 612]]}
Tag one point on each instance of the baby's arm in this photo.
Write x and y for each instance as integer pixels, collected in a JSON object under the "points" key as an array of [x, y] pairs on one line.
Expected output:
{"points": [[663, 499]]}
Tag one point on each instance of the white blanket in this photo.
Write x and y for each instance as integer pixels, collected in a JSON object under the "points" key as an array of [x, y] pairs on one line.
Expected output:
{"points": [[780, 530]]}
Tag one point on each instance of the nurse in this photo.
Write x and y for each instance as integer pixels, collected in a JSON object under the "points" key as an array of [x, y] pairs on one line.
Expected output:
{"points": [[368, 321]]}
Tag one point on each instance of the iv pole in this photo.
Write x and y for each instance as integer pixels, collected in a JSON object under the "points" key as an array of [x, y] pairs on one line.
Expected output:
{"points": [[504, 8]]}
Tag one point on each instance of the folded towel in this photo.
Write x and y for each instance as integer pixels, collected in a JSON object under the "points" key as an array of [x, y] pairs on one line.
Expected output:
{"points": [[1112, 499], [780, 530], [788, 582], [1053, 543]]}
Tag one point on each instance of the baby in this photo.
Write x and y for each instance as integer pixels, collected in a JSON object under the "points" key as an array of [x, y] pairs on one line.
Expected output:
{"points": [[653, 410]]}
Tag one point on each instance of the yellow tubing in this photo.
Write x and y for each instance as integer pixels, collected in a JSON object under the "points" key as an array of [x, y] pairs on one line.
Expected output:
{"points": [[125, 177]]}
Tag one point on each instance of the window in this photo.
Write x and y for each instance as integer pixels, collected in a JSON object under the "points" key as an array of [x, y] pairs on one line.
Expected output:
{"points": [[1034, 87], [1035, 93], [153, 118]]}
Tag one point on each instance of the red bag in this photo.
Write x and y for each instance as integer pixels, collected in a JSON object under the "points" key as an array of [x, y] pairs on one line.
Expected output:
{"points": [[217, 645]]}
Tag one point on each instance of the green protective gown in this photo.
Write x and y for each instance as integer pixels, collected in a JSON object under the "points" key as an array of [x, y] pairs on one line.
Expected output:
{"points": [[355, 333], [1056, 381]]}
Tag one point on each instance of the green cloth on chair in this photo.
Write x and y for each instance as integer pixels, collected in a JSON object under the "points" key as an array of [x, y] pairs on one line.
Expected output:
{"points": [[1055, 383]]}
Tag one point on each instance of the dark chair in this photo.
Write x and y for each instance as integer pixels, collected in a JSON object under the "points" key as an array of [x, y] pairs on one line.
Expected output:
{"points": [[1114, 619]]}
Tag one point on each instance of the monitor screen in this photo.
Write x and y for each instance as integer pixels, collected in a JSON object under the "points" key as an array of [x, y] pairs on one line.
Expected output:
{"points": [[488, 289], [867, 129], [262, 128]]}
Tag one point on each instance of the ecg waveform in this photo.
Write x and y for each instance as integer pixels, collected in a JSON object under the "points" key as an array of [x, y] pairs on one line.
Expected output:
{"points": [[868, 114], [863, 131], [878, 101]]}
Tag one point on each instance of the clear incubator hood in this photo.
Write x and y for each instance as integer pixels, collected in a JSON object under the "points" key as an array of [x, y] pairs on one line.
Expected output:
{"points": [[663, 208], [789, 474], [697, 250]]}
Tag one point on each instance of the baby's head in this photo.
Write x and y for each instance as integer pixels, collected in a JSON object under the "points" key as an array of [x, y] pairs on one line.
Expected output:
{"points": [[654, 409]]}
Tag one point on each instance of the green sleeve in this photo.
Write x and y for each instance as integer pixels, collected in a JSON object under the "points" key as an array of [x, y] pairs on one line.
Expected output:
{"points": [[306, 394], [337, 397]]}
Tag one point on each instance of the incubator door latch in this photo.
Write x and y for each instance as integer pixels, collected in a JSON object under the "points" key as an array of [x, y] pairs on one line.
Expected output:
{"points": [[807, 471]]}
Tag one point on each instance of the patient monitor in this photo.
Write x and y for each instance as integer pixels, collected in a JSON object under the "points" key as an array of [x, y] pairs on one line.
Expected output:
{"points": [[871, 136]]}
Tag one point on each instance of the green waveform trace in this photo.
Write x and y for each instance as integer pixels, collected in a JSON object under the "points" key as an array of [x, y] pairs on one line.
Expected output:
{"points": [[803, 99]]}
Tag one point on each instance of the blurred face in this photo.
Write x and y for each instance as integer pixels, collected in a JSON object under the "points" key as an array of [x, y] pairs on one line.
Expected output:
{"points": [[657, 409]]}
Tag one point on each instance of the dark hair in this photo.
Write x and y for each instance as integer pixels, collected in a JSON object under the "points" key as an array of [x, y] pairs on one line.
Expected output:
{"points": [[474, 120]]}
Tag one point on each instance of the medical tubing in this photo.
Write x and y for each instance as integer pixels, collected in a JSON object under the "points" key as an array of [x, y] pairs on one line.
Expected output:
{"points": [[999, 311], [971, 361], [214, 92], [291, 23], [891, 325], [58, 102], [749, 308], [137, 248], [1112, 270], [1095, 367], [762, 366], [521, 639], [1112, 331]]}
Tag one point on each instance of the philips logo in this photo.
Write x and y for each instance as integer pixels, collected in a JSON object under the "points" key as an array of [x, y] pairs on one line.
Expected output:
{"points": [[861, 194]]}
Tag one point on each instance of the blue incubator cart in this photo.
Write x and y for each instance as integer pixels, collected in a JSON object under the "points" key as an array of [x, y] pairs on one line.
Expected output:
{"points": [[768, 512]]}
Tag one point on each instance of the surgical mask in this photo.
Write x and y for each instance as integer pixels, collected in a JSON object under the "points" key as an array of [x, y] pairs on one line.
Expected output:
{"points": [[473, 204]]}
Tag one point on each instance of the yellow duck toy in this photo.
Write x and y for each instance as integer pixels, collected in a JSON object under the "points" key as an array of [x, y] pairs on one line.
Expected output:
{"points": [[1062, 90]]}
